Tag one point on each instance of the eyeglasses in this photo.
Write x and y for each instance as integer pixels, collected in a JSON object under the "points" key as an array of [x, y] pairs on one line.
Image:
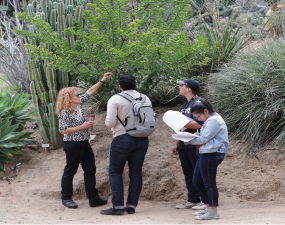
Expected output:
{"points": [[77, 95], [198, 117]]}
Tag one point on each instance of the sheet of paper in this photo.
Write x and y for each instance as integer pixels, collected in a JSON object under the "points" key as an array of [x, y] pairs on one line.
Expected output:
{"points": [[176, 120], [184, 136]]}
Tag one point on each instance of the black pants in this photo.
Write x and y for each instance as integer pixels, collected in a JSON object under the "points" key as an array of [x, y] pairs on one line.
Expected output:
{"points": [[188, 158], [79, 152]]}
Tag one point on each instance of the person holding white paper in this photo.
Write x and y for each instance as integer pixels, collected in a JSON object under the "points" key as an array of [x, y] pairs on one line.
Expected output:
{"points": [[188, 154], [214, 143]]}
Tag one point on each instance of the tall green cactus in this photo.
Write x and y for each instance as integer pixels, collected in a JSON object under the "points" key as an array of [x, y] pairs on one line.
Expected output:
{"points": [[45, 81]]}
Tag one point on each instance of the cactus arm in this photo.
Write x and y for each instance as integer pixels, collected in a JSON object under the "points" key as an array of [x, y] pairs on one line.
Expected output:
{"points": [[38, 114], [53, 129], [53, 20], [63, 79], [44, 5], [31, 10]]}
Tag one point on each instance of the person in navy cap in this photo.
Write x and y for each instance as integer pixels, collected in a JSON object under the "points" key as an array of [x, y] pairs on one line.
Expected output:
{"points": [[189, 154]]}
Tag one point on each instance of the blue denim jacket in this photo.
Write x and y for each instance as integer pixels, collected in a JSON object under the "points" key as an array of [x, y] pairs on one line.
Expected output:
{"points": [[214, 135]]}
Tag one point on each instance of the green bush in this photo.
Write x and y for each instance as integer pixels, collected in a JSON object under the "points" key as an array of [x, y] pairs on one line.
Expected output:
{"points": [[14, 114], [249, 92]]}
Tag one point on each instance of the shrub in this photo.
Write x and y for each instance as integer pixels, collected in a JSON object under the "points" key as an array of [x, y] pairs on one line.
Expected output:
{"points": [[249, 92]]}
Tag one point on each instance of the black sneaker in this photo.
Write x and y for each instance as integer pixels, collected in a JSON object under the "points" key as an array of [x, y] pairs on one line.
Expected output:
{"points": [[112, 211], [100, 201], [69, 204], [130, 210]]}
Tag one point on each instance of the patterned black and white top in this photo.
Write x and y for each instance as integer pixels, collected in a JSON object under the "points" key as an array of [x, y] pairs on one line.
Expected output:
{"points": [[68, 119]]}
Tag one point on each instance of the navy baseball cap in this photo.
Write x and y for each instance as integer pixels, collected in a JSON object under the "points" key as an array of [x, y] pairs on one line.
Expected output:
{"points": [[193, 84]]}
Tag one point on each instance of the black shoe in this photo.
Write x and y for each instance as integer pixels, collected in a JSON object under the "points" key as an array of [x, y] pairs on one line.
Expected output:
{"points": [[130, 210], [100, 201], [112, 211], [69, 204]]}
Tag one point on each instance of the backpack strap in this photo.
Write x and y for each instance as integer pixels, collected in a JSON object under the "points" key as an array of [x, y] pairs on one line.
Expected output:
{"points": [[120, 121], [131, 99]]}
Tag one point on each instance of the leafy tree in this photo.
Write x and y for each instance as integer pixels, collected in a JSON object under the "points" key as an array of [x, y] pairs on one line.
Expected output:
{"points": [[142, 39]]}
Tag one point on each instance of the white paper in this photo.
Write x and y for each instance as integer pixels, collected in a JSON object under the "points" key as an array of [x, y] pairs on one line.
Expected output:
{"points": [[176, 120], [184, 136]]}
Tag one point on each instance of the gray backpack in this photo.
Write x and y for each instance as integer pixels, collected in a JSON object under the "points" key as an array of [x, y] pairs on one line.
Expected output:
{"points": [[140, 121]]}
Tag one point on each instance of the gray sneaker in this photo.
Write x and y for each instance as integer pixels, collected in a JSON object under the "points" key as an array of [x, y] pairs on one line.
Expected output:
{"points": [[199, 206], [201, 212], [186, 205], [209, 215]]}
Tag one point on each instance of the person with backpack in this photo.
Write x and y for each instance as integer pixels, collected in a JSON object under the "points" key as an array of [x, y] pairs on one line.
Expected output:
{"points": [[131, 118], [214, 143], [188, 154]]}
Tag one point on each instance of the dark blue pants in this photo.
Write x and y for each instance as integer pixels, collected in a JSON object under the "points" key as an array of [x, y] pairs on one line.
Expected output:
{"points": [[188, 158], [125, 148], [79, 152], [205, 177]]}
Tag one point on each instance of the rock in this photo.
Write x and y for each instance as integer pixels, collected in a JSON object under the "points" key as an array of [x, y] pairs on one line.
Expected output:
{"points": [[34, 147], [31, 125]]}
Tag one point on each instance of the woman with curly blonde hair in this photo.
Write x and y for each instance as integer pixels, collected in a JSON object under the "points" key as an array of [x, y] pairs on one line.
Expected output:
{"points": [[64, 99], [73, 125]]}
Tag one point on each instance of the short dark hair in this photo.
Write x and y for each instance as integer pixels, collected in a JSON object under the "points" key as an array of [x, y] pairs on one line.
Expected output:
{"points": [[127, 82], [201, 105]]}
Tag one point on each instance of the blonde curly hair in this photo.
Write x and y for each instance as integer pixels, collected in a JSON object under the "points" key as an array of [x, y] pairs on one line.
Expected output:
{"points": [[64, 97]]}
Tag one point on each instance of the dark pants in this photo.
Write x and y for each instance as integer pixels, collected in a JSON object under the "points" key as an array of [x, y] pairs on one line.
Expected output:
{"points": [[205, 177], [126, 148], [79, 152], [188, 158]]}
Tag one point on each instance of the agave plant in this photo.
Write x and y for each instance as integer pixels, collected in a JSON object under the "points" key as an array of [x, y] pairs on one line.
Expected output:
{"points": [[231, 41], [10, 140], [14, 107], [14, 114]]}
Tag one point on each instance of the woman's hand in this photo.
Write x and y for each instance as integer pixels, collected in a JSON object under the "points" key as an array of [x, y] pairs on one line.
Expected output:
{"points": [[94, 88], [85, 125], [106, 76], [88, 124]]}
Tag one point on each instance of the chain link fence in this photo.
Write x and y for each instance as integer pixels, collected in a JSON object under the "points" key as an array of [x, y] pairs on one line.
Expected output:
{"points": [[260, 17]]}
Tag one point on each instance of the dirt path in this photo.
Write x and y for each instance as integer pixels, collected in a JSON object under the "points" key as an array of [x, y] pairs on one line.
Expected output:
{"points": [[252, 189], [35, 210]]}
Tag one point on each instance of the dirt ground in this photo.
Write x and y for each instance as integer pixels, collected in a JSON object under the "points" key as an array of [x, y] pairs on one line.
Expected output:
{"points": [[251, 188]]}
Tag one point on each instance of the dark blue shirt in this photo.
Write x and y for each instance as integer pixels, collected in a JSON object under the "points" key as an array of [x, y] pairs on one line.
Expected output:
{"points": [[186, 110]]}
